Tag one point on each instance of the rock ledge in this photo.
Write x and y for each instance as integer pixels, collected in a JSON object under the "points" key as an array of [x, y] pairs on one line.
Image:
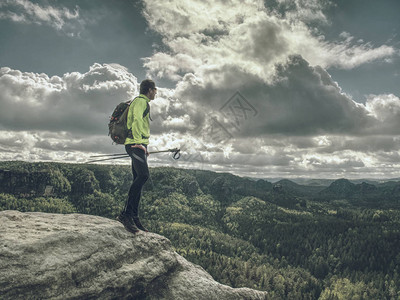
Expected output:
{"points": [[76, 256]]}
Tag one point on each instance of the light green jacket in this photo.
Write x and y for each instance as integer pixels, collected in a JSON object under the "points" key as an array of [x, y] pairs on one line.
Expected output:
{"points": [[138, 121]]}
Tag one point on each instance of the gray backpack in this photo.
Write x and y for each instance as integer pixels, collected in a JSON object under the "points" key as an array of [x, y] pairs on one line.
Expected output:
{"points": [[117, 127]]}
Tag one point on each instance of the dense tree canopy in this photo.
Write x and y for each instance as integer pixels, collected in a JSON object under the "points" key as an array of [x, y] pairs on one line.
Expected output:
{"points": [[297, 242]]}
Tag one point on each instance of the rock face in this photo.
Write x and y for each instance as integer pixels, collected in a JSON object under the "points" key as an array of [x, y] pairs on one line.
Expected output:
{"points": [[76, 256]]}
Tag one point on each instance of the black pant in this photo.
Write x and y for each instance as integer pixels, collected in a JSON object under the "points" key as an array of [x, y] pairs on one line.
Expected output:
{"points": [[140, 172]]}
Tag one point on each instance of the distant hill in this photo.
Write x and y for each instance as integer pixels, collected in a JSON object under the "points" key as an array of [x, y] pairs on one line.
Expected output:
{"points": [[345, 189], [297, 189], [326, 182], [341, 188], [315, 182]]}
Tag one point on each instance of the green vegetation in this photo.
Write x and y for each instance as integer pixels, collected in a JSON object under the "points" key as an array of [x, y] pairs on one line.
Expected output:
{"points": [[297, 242]]}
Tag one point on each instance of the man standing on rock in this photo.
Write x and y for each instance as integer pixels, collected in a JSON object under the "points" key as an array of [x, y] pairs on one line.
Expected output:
{"points": [[136, 146]]}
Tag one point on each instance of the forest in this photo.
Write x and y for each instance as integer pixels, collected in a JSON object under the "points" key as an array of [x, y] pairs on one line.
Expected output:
{"points": [[297, 241]]}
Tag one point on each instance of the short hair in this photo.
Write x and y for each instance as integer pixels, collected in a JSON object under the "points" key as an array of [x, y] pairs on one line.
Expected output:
{"points": [[146, 85]]}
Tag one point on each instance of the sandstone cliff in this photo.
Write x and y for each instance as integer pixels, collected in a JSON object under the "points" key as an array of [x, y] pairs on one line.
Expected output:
{"points": [[76, 256]]}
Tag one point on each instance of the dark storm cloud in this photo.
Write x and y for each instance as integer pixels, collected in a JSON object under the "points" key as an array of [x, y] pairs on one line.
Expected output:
{"points": [[303, 100]]}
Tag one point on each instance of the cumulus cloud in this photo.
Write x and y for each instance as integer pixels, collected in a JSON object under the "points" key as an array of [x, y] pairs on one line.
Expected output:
{"points": [[74, 103], [386, 109], [242, 34], [57, 118]]}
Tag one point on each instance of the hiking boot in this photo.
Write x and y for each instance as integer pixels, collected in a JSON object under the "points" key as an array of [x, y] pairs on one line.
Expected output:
{"points": [[128, 223], [138, 224]]}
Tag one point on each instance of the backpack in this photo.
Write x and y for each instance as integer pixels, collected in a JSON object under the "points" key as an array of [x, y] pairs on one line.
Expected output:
{"points": [[117, 127]]}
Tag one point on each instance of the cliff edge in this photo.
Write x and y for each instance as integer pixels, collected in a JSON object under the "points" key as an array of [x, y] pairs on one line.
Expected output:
{"points": [[76, 256]]}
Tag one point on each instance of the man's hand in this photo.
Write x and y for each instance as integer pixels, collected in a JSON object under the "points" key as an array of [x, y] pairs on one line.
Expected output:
{"points": [[141, 147]]}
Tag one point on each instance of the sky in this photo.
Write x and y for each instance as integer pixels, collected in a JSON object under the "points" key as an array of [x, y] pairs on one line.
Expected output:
{"points": [[265, 89]]}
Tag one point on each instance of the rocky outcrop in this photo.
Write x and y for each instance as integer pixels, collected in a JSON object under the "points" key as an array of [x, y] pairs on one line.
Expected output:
{"points": [[76, 256]]}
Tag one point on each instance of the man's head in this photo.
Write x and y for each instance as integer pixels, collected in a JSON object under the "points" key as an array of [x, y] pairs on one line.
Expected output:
{"points": [[148, 88]]}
